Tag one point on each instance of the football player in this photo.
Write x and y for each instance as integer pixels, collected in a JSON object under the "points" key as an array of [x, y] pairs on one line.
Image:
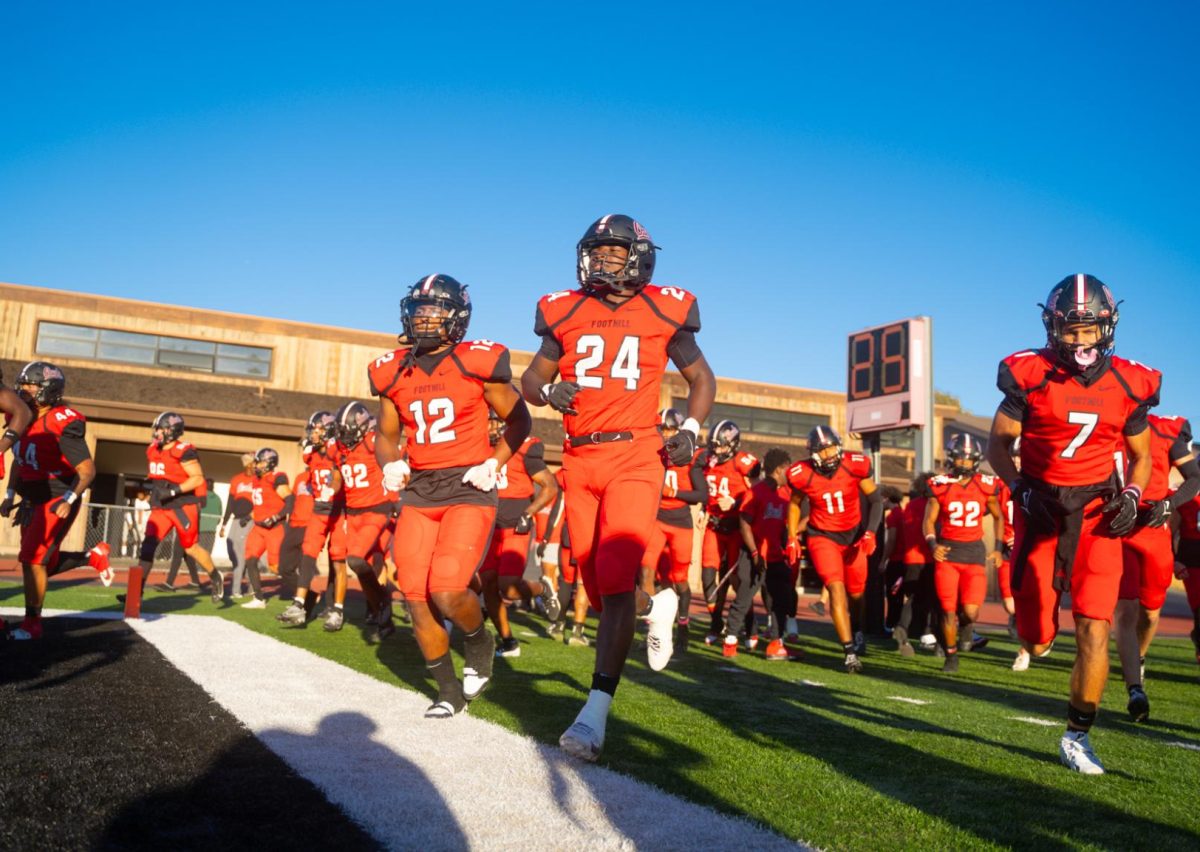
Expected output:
{"points": [[1187, 561], [272, 498], [764, 527], [177, 491], [825, 491], [610, 340], [503, 569], [17, 417], [53, 468], [746, 578], [668, 555], [953, 529], [435, 391], [238, 520], [1075, 405], [1148, 555], [722, 545], [1004, 572], [369, 506], [326, 528]]}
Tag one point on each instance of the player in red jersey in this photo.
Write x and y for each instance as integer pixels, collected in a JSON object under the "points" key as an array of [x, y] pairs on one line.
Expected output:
{"points": [[503, 569], [17, 417], [326, 527], [953, 529], [435, 391], [1187, 561], [826, 488], [177, 491], [1148, 555], [1004, 571], [610, 340], [747, 575], [272, 498], [764, 527], [1075, 406], [53, 468], [722, 545], [668, 556]]}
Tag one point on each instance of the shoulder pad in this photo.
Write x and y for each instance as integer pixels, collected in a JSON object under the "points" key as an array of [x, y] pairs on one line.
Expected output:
{"points": [[797, 471], [369, 441], [485, 360], [1144, 382], [181, 447], [989, 484], [382, 372], [553, 306], [858, 464], [59, 418], [280, 478], [1028, 367]]}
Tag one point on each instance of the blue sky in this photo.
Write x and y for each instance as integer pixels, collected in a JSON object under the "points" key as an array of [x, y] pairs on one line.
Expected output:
{"points": [[808, 169]]}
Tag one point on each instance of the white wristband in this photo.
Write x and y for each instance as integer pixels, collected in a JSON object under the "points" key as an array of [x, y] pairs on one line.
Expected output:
{"points": [[691, 425], [70, 497], [545, 391]]}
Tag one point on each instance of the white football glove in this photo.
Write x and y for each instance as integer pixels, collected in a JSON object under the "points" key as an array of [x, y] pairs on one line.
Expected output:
{"points": [[326, 495], [725, 503], [395, 475], [482, 476]]}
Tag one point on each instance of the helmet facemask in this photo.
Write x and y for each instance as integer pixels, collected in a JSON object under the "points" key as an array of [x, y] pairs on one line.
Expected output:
{"points": [[724, 440], [602, 272], [167, 427], [1077, 303]]}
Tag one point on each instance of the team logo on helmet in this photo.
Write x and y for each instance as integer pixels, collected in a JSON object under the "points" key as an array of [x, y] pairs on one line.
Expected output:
{"points": [[265, 461], [50, 380], [820, 439], [724, 440], [167, 427], [353, 423]]}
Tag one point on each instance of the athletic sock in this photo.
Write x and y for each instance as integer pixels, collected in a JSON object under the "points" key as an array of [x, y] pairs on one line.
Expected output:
{"points": [[34, 612], [1077, 720], [298, 601], [449, 686], [848, 647], [606, 684]]}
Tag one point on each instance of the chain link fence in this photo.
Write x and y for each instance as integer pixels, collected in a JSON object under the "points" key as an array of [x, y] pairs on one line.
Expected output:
{"points": [[122, 527]]}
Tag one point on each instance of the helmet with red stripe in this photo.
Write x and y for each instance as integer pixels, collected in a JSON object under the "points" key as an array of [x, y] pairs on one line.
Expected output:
{"points": [[1076, 302]]}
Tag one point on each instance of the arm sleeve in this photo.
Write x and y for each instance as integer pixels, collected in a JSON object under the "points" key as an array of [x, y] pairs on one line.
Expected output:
{"points": [[1183, 442], [698, 493], [535, 458], [502, 370], [1138, 422], [1190, 486], [551, 349], [228, 508], [288, 502], [874, 510], [683, 349], [73, 444]]}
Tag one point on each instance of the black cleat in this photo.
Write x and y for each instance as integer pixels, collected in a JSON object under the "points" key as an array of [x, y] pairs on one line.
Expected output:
{"points": [[951, 664], [1139, 704]]}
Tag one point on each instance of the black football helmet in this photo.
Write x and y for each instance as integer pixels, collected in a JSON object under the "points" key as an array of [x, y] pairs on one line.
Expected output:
{"points": [[50, 380], [963, 454], [320, 428], [353, 423], [670, 420], [265, 461], [821, 438], [443, 292], [496, 427], [724, 440], [616, 229], [167, 427], [1080, 299]]}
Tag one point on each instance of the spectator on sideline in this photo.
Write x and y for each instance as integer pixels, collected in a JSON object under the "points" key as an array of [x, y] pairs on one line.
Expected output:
{"points": [[239, 509]]}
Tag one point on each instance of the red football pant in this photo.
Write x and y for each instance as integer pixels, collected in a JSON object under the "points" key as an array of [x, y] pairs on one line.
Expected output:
{"points": [[839, 563], [1148, 566], [363, 534], [185, 520], [322, 529], [1191, 583], [262, 540], [1095, 577], [507, 553], [439, 548], [1004, 579], [43, 535], [613, 491], [720, 550], [959, 582], [676, 543]]}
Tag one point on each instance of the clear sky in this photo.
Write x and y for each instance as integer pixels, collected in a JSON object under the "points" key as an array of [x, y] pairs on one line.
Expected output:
{"points": [[808, 169]]}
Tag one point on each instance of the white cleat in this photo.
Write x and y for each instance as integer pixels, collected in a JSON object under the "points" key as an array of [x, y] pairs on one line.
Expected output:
{"points": [[660, 640], [255, 603], [1021, 663], [583, 741], [1075, 752]]}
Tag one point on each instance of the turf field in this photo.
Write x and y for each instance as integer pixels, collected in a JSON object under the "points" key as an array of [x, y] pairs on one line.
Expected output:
{"points": [[902, 756]]}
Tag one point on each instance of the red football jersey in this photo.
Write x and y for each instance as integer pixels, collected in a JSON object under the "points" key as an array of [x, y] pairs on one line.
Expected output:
{"points": [[916, 549], [44, 453], [302, 503], [167, 463], [678, 477], [1170, 439], [515, 478], [440, 401], [1073, 434], [1004, 497], [320, 470], [1189, 519], [265, 497], [765, 508], [833, 501], [724, 480], [362, 478], [617, 354], [963, 506]]}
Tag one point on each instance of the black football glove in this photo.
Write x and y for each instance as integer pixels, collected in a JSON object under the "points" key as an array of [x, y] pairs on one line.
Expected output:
{"points": [[7, 506], [271, 521], [1038, 507], [23, 515], [680, 447], [1123, 509], [561, 396], [524, 525], [165, 491], [1158, 513]]}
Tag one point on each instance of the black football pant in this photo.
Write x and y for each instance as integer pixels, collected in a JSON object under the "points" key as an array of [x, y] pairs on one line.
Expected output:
{"points": [[748, 581], [780, 596], [290, 554], [920, 600], [893, 589]]}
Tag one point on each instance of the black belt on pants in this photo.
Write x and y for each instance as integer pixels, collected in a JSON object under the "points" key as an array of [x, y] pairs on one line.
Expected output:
{"points": [[599, 438]]}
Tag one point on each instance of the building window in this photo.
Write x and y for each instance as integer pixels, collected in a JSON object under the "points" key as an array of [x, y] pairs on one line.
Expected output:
{"points": [[153, 350], [761, 421]]}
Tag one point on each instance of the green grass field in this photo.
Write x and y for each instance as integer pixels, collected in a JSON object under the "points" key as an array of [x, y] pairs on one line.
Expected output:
{"points": [[834, 760]]}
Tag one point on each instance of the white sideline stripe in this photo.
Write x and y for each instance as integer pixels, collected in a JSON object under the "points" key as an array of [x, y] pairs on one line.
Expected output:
{"points": [[1189, 746], [1033, 720], [733, 669], [907, 700], [415, 782], [808, 682]]}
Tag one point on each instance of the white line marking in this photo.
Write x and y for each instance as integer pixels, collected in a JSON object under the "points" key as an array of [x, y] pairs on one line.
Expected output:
{"points": [[1033, 720], [733, 669], [907, 700], [527, 633], [807, 682], [1188, 746], [337, 727]]}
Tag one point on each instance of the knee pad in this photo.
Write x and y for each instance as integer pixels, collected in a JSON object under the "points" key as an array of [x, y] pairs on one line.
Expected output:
{"points": [[358, 565]]}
